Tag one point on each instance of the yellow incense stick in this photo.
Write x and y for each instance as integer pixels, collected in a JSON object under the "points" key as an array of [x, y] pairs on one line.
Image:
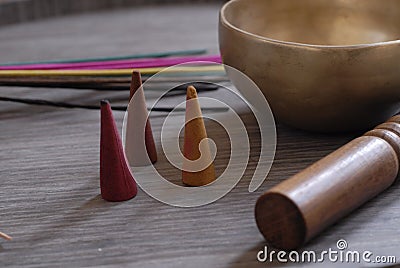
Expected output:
{"points": [[111, 72]]}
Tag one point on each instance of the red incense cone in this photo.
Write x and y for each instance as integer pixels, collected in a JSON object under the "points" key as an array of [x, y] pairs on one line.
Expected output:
{"points": [[116, 180], [137, 121]]}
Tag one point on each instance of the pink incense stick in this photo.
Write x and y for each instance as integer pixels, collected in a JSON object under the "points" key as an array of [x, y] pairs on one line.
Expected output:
{"points": [[116, 64]]}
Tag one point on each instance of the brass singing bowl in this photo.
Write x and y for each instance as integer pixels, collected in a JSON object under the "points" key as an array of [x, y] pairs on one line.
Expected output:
{"points": [[323, 65]]}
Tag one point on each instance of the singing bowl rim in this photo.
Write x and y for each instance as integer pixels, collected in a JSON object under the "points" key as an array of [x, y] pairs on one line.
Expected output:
{"points": [[226, 23]]}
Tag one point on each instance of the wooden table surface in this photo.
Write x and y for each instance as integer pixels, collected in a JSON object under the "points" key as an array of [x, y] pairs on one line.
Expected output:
{"points": [[49, 171]]}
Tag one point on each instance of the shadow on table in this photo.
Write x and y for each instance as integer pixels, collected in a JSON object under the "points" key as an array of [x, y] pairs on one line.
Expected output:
{"points": [[74, 217]]}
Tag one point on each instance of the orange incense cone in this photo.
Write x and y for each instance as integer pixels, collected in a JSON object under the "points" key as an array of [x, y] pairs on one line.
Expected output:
{"points": [[116, 180], [137, 120], [195, 132]]}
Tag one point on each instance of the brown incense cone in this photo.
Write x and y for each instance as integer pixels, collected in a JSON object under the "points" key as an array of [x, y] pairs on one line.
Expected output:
{"points": [[195, 132], [116, 180], [137, 152], [298, 209]]}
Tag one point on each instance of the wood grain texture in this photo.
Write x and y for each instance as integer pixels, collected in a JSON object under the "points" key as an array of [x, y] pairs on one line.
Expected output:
{"points": [[49, 163]]}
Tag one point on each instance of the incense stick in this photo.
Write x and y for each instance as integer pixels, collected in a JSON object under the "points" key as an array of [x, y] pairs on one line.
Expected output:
{"points": [[118, 72], [5, 236], [115, 64], [104, 86], [41, 102], [136, 56], [100, 79]]}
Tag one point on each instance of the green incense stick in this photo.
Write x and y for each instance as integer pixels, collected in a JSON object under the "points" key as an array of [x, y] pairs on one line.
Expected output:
{"points": [[136, 56]]}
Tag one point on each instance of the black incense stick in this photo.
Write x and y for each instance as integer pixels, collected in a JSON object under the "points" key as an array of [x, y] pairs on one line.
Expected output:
{"points": [[101, 86], [97, 107]]}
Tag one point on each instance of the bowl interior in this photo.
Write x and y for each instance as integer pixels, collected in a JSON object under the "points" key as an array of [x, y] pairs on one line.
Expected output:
{"points": [[318, 22]]}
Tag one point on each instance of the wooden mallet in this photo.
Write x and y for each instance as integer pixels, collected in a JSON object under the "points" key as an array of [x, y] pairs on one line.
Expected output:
{"points": [[296, 210]]}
